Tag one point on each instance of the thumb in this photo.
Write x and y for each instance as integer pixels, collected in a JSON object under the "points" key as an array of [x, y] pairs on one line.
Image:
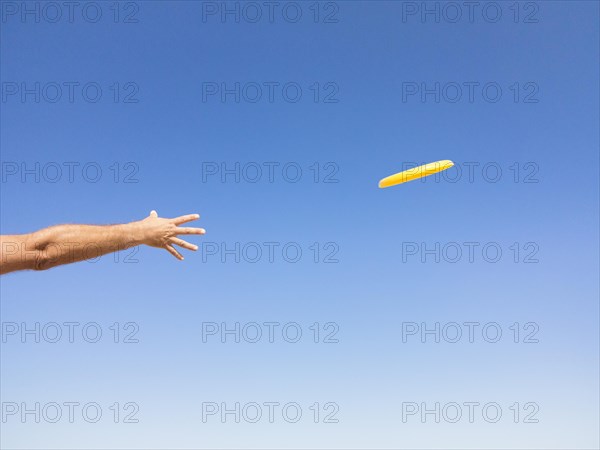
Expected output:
{"points": [[153, 213]]}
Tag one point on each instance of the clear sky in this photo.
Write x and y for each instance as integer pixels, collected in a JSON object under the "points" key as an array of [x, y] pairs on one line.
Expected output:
{"points": [[275, 123]]}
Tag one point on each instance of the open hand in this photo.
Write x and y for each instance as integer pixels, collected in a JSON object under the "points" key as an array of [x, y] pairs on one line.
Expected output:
{"points": [[162, 233]]}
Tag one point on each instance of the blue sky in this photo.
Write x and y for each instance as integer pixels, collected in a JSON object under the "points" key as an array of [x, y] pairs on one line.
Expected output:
{"points": [[371, 262]]}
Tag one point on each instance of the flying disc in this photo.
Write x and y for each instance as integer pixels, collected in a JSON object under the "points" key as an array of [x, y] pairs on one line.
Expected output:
{"points": [[416, 172]]}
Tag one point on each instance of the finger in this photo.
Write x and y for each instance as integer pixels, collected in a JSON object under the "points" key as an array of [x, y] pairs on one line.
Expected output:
{"points": [[153, 213], [187, 218], [189, 230], [184, 244], [174, 252]]}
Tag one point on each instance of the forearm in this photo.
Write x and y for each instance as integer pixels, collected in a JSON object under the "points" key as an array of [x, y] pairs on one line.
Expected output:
{"points": [[65, 244]]}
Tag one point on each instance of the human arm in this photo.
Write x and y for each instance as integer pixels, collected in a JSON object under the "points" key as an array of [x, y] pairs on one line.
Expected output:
{"points": [[65, 244]]}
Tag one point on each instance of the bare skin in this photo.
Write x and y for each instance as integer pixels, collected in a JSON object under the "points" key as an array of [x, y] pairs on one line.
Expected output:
{"points": [[65, 244]]}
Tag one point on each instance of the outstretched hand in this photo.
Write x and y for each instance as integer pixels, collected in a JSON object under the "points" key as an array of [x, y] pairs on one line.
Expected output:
{"points": [[162, 233]]}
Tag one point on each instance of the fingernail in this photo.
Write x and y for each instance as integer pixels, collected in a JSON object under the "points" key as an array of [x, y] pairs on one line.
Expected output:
{"points": [[195, 247]]}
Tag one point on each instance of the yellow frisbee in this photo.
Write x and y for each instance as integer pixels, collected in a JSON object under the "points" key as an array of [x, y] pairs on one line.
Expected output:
{"points": [[416, 172]]}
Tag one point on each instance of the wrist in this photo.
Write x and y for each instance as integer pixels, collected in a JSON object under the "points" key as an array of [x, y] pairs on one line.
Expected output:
{"points": [[134, 234]]}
